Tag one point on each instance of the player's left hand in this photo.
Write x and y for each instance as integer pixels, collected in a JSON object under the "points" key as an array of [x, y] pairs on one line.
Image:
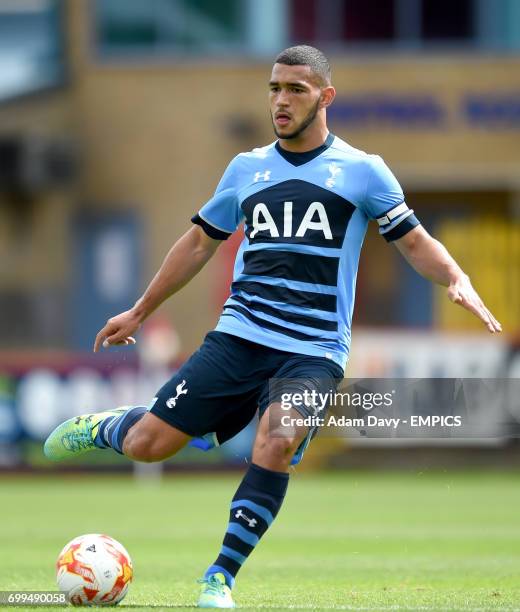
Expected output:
{"points": [[461, 292]]}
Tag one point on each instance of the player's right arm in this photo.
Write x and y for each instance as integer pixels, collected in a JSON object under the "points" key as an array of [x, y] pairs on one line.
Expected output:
{"points": [[184, 260]]}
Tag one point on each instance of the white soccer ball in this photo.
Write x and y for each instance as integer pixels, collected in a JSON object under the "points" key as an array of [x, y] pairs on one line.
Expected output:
{"points": [[94, 570]]}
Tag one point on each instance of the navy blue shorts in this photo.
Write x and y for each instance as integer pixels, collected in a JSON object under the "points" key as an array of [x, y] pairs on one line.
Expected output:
{"points": [[223, 384]]}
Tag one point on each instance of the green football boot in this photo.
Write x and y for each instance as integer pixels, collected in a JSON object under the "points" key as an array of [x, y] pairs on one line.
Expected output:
{"points": [[215, 593], [76, 436]]}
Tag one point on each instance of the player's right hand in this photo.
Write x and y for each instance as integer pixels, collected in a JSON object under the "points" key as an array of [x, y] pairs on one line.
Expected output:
{"points": [[118, 331]]}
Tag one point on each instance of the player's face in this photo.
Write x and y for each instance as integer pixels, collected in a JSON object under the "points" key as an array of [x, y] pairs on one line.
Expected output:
{"points": [[295, 98]]}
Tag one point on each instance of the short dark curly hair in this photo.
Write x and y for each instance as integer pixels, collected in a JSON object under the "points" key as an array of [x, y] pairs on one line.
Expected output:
{"points": [[304, 55]]}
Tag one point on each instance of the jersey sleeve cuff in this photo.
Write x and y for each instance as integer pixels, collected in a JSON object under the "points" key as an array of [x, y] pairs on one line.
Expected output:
{"points": [[212, 232], [402, 228]]}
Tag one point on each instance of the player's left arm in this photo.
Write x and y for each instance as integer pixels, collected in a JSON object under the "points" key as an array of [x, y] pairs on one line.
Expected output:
{"points": [[431, 259]]}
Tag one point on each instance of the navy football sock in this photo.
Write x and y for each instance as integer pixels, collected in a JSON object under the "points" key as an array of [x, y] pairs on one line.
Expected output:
{"points": [[253, 509], [113, 429]]}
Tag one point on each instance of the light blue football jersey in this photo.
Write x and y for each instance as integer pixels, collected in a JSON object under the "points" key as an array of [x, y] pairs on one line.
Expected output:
{"points": [[305, 218]]}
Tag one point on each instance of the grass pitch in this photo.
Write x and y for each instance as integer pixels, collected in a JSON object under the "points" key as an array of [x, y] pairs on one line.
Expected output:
{"points": [[344, 541]]}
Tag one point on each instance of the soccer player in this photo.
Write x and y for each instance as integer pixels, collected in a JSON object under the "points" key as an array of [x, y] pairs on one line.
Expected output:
{"points": [[306, 200]]}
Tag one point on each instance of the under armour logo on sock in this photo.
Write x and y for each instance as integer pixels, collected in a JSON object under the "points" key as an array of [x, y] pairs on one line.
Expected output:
{"points": [[172, 401], [251, 522]]}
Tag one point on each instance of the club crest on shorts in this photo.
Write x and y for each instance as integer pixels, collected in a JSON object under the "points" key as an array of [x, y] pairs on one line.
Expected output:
{"points": [[180, 390]]}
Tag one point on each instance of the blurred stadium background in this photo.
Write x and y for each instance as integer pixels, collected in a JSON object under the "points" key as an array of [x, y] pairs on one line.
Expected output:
{"points": [[117, 118]]}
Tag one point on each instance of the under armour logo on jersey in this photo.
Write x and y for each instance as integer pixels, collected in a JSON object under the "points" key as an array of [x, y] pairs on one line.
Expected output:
{"points": [[180, 390], [251, 522], [265, 176], [334, 170]]}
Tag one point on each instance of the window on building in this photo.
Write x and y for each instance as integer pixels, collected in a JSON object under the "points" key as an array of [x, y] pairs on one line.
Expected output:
{"points": [[447, 19], [369, 20], [155, 27], [398, 22], [31, 46], [260, 28]]}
